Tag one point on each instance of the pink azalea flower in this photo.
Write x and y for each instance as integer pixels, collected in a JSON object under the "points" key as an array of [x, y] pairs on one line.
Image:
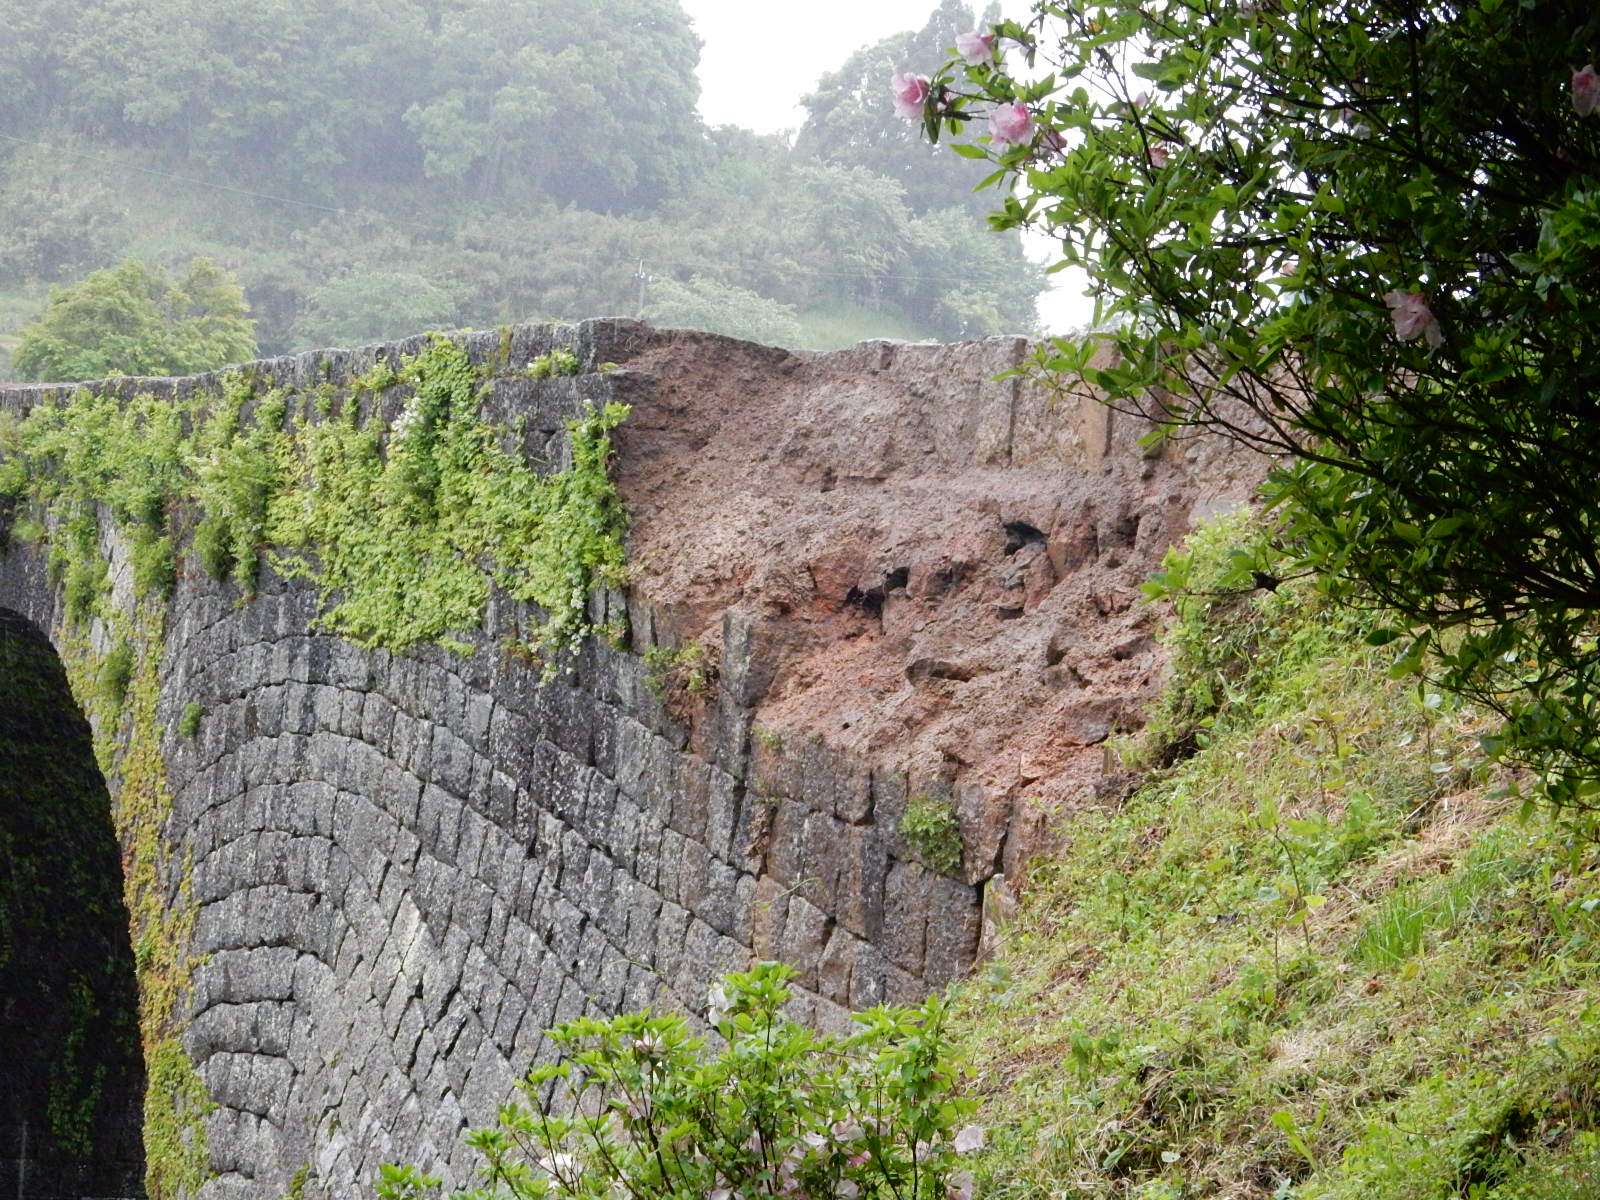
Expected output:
{"points": [[1585, 90], [910, 91], [1413, 317], [1010, 124], [960, 1186], [976, 48]]}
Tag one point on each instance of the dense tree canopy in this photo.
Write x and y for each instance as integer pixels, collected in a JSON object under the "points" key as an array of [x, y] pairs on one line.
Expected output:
{"points": [[706, 304], [1367, 236], [582, 100], [371, 306], [593, 104], [303, 93], [134, 320]]}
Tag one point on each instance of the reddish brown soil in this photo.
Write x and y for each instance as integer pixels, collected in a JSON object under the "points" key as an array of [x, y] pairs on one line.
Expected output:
{"points": [[943, 569]]}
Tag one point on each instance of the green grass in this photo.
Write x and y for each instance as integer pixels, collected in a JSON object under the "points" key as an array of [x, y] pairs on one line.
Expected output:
{"points": [[840, 325], [1397, 927], [1315, 955]]}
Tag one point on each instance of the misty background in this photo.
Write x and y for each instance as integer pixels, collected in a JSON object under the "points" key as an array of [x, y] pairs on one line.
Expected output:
{"points": [[367, 169]]}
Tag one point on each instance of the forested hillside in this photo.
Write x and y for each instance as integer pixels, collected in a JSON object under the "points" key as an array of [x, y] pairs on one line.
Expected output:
{"points": [[368, 170]]}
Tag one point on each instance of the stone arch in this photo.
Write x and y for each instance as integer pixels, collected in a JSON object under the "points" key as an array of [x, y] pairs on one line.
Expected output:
{"points": [[71, 1069]]}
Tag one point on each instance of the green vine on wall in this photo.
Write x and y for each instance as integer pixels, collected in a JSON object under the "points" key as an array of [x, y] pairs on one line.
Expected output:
{"points": [[402, 529], [156, 888], [403, 536]]}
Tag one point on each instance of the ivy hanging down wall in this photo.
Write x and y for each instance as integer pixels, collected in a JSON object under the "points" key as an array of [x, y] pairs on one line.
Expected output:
{"points": [[393, 495]]}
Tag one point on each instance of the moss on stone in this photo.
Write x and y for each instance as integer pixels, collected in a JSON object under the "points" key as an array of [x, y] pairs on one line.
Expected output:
{"points": [[175, 1106], [156, 889]]}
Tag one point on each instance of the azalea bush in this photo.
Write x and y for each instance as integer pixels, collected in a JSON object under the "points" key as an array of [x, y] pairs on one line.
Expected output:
{"points": [[778, 1110], [1365, 238]]}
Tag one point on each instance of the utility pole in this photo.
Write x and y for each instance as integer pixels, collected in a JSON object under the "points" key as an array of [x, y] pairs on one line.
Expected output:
{"points": [[643, 280]]}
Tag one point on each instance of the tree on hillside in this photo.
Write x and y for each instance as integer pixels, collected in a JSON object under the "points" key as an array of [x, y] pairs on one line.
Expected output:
{"points": [[722, 308], [278, 90], [846, 228], [1367, 236], [369, 306], [589, 104], [53, 229], [964, 282], [136, 320]]}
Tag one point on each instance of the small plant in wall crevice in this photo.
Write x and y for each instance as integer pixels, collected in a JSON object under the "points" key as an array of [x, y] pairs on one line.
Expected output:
{"points": [[931, 826], [672, 672]]}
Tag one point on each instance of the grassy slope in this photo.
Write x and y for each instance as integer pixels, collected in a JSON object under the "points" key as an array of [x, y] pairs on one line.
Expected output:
{"points": [[842, 325], [1322, 957]]}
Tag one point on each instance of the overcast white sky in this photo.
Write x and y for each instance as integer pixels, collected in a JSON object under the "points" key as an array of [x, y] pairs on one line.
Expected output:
{"points": [[760, 56]]}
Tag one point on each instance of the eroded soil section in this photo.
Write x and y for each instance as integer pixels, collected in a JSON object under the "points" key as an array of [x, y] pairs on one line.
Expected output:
{"points": [[941, 569]]}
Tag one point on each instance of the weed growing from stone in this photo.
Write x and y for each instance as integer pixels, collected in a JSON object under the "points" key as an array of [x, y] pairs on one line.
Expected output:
{"points": [[556, 363], [677, 671], [930, 825], [115, 675]]}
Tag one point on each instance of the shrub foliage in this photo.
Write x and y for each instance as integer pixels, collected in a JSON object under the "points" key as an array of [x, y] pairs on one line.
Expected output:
{"points": [[778, 1110]]}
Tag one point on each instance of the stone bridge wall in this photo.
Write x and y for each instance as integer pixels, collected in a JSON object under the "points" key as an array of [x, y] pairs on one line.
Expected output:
{"points": [[407, 867]]}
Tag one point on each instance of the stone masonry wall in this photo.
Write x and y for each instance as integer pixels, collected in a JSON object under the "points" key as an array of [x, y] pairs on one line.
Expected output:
{"points": [[407, 867]]}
